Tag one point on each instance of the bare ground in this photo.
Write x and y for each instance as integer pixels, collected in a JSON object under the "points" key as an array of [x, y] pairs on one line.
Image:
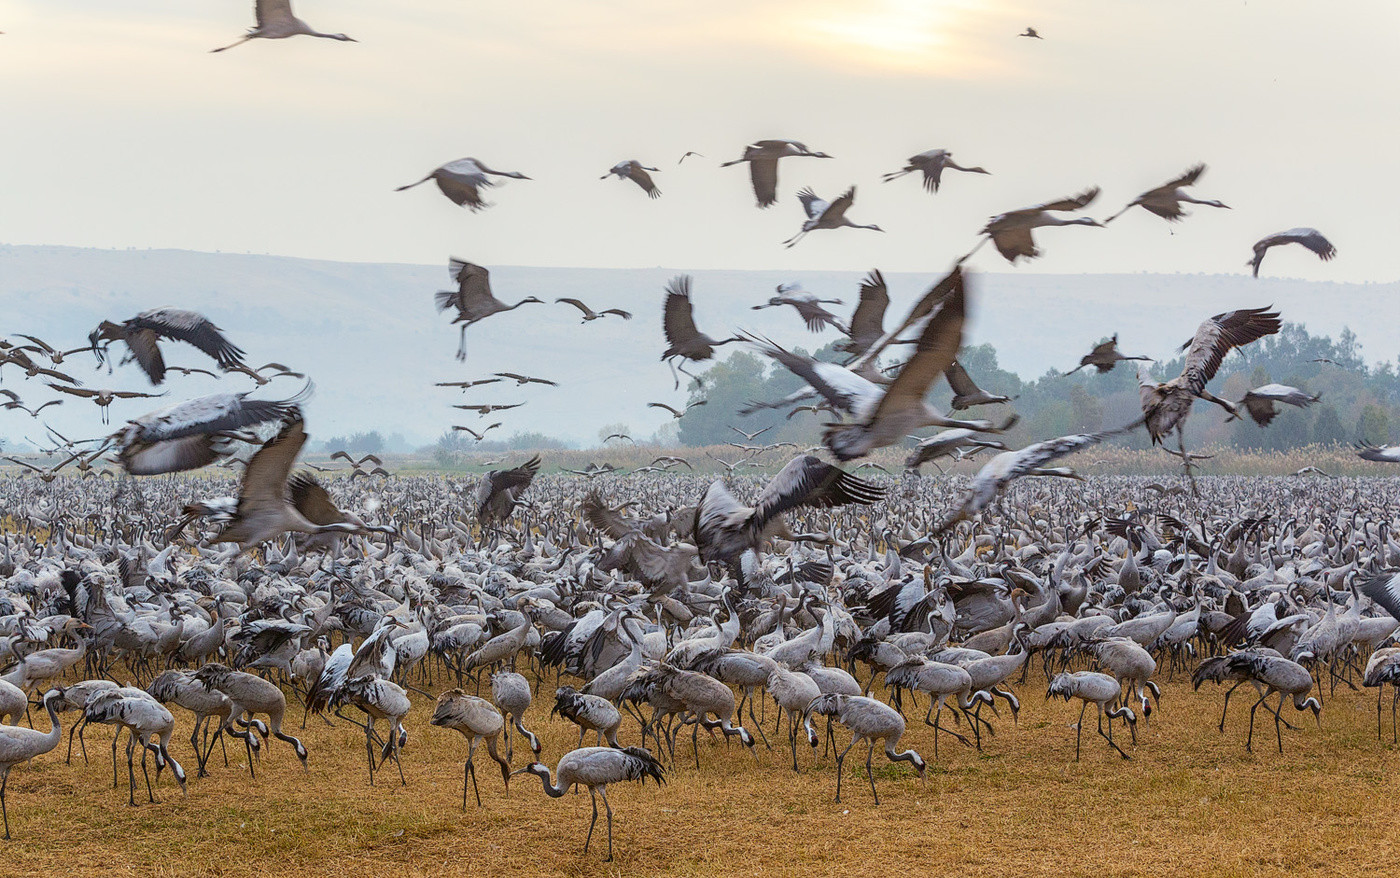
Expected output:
{"points": [[1191, 802]]}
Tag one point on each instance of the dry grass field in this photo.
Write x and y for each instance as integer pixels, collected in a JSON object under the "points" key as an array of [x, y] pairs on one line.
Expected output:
{"points": [[1191, 802]]}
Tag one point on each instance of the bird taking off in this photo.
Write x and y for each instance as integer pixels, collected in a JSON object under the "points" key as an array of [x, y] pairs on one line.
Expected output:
{"points": [[143, 332], [473, 299], [932, 164], [822, 214], [275, 21], [684, 341], [1166, 200], [1011, 232], [463, 180], [1310, 238], [636, 172], [762, 157], [1031, 32]]}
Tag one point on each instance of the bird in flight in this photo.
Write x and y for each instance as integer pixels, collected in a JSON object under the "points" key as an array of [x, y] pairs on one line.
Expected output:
{"points": [[142, 333], [1166, 200], [475, 435], [763, 157], [676, 413], [1104, 357], [462, 180], [823, 214], [464, 385], [473, 298], [1031, 32], [275, 21], [522, 380], [589, 314], [636, 172], [932, 164], [1011, 232], [1310, 238], [484, 410]]}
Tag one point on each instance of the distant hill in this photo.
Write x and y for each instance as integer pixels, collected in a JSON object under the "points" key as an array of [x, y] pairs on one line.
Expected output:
{"points": [[369, 336]]}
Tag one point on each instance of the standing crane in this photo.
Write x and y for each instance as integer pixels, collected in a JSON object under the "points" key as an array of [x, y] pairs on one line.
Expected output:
{"points": [[595, 768], [477, 720], [1097, 689], [473, 298], [18, 744], [871, 721]]}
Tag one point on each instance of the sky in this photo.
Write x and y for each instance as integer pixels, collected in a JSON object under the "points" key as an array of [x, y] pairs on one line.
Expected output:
{"points": [[122, 130]]}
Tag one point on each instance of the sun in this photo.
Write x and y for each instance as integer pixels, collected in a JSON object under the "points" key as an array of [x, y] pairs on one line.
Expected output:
{"points": [[927, 36]]}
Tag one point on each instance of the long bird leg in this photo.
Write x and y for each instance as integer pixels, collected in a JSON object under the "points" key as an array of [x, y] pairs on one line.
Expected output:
{"points": [[1227, 704], [869, 769], [604, 791], [470, 770], [1249, 742], [4, 782], [1109, 737], [592, 794], [840, 761], [1078, 730]]}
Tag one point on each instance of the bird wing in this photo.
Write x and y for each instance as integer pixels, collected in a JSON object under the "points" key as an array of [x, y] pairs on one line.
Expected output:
{"points": [[75, 391], [1188, 178], [265, 477], [639, 176], [678, 321], [936, 294], [842, 388], [868, 321], [837, 209], [577, 304], [1261, 409], [1379, 454], [808, 481], [812, 204], [473, 283], [602, 517], [1074, 202], [312, 501], [625, 315], [194, 329], [764, 174], [1221, 334], [520, 477], [935, 353], [662, 405], [960, 381]]}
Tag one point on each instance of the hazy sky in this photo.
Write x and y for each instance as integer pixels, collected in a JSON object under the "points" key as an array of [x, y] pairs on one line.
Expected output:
{"points": [[122, 130]]}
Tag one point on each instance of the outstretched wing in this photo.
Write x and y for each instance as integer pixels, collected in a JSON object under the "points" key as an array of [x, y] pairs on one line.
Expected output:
{"points": [[808, 481], [1221, 334], [677, 321]]}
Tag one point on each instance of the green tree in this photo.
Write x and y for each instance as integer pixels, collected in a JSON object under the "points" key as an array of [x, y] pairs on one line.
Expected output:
{"points": [[1088, 411], [1374, 425], [365, 443], [1327, 428]]}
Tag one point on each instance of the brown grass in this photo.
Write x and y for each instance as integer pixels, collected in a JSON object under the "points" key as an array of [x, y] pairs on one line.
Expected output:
{"points": [[1192, 802]]}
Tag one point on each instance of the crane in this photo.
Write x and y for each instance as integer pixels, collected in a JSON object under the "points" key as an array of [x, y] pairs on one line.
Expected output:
{"points": [[595, 768], [142, 334], [762, 157], [684, 341], [275, 21], [473, 298], [932, 163], [1309, 238], [636, 172], [462, 181], [1166, 200], [1011, 231], [823, 214]]}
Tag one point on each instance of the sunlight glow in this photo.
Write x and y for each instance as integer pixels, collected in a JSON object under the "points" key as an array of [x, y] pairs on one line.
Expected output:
{"points": [[917, 36]]}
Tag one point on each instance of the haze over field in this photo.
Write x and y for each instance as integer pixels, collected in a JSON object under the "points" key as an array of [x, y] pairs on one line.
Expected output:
{"points": [[368, 334]]}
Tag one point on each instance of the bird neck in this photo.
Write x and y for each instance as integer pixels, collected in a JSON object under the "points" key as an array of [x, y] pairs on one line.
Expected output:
{"points": [[550, 789]]}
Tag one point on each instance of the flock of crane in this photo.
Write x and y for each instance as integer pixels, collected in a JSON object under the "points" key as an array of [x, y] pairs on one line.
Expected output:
{"points": [[674, 602]]}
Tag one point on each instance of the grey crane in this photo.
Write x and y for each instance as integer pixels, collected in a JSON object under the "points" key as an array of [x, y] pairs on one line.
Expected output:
{"points": [[823, 214], [275, 21], [194, 433], [675, 412], [181, 688], [637, 172], [1165, 407], [380, 699], [1269, 673], [1097, 689], [265, 509], [473, 298], [966, 393], [590, 713], [944, 443], [477, 720], [1166, 200], [1260, 403], [1031, 32], [466, 385], [16, 403], [510, 692], [478, 436], [251, 695], [868, 321], [595, 768], [142, 335], [932, 163], [487, 408], [808, 306], [104, 397], [148, 724], [762, 157], [1382, 668], [18, 744], [499, 490], [1011, 231], [684, 341], [1309, 238], [1378, 453], [871, 721], [1104, 357], [589, 314], [462, 181], [725, 528], [794, 691]]}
